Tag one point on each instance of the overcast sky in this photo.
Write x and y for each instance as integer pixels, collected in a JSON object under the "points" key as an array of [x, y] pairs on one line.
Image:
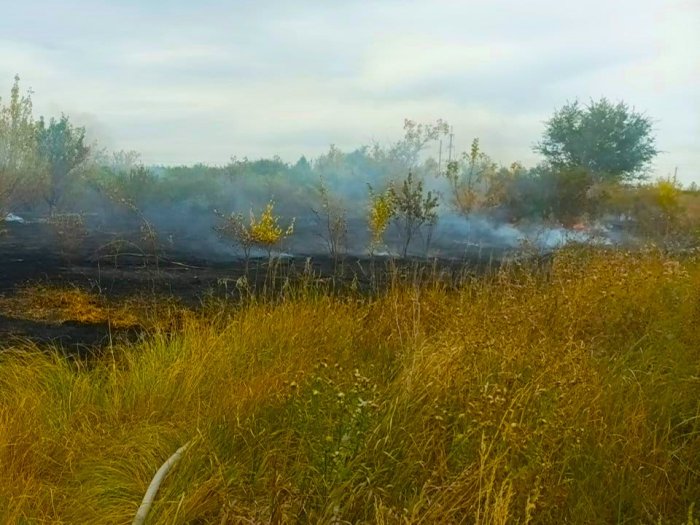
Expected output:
{"points": [[185, 81]]}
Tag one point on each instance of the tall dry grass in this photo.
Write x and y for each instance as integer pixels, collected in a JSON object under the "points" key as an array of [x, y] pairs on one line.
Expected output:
{"points": [[566, 396]]}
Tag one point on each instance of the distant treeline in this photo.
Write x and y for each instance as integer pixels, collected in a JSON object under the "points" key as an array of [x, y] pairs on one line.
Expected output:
{"points": [[392, 197]]}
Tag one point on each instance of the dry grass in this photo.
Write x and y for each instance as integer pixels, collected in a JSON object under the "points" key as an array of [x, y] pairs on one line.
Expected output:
{"points": [[566, 397], [58, 304]]}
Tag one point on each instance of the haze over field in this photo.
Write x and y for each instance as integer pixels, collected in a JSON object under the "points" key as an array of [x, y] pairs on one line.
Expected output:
{"points": [[184, 82]]}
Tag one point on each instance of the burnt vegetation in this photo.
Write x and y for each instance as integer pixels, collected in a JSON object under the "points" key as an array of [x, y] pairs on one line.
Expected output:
{"points": [[392, 334]]}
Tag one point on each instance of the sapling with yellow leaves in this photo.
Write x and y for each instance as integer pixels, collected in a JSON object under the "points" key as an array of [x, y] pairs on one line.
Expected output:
{"points": [[264, 232], [382, 209]]}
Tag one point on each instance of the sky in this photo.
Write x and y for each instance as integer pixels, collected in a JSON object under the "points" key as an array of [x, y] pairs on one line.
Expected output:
{"points": [[184, 82]]}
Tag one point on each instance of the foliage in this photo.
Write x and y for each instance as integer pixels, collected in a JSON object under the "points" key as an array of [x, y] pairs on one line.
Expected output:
{"points": [[381, 210], [235, 229], [63, 149], [567, 191], [660, 212], [668, 192], [566, 397], [593, 154], [416, 137], [130, 187], [611, 141], [499, 185], [126, 181], [412, 208], [18, 149], [123, 161], [563, 195], [472, 180], [332, 218], [266, 231], [262, 232]]}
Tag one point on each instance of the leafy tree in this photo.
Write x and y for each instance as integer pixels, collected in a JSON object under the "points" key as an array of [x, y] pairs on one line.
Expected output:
{"points": [[331, 161], [18, 151], [63, 150], [416, 138], [564, 195], [413, 208], [611, 141]]}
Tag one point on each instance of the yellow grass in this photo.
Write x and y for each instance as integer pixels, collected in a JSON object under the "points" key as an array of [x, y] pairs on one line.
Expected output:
{"points": [[562, 397], [58, 304]]}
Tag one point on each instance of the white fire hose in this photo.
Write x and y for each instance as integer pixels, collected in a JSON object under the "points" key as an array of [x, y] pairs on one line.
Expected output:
{"points": [[150, 495]]}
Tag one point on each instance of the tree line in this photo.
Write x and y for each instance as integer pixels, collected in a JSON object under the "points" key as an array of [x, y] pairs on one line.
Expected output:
{"points": [[596, 163]]}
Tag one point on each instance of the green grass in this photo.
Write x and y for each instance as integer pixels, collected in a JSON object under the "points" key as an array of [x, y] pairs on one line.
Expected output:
{"points": [[563, 397]]}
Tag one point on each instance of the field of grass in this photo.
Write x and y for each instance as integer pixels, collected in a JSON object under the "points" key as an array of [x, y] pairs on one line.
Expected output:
{"points": [[570, 395]]}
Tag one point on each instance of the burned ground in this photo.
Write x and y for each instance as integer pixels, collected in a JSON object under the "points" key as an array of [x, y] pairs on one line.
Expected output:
{"points": [[114, 266]]}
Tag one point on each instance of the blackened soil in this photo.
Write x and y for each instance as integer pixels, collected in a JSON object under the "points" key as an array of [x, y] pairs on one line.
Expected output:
{"points": [[114, 266], [74, 337]]}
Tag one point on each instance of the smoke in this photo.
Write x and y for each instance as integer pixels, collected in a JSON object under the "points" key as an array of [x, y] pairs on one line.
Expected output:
{"points": [[183, 206], [187, 225]]}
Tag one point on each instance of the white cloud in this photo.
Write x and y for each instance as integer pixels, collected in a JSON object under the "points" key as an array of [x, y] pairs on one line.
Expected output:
{"points": [[414, 59], [184, 82], [176, 53]]}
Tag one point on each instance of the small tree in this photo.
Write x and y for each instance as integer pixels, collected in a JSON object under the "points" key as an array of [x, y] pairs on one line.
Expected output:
{"points": [[416, 138], [413, 208], [127, 183], [332, 218], [63, 150], [123, 161], [469, 179], [18, 149], [613, 142], [405, 154], [236, 229], [500, 185], [266, 231], [381, 211], [262, 232]]}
